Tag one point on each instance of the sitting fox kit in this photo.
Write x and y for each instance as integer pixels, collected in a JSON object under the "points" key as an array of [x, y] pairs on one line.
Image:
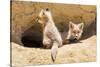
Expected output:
{"points": [[51, 36], [75, 31]]}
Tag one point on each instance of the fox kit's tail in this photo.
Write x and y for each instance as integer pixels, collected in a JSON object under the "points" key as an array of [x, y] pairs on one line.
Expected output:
{"points": [[54, 51]]}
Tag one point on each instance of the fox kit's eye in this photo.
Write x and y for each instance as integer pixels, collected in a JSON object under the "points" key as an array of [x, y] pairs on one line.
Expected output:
{"points": [[78, 31], [74, 32]]}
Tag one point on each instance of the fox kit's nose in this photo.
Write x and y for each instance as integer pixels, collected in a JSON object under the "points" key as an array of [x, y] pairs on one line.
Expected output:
{"points": [[76, 35], [37, 18]]}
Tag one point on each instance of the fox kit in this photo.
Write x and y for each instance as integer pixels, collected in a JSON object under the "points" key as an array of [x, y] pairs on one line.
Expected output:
{"points": [[51, 36], [74, 33]]}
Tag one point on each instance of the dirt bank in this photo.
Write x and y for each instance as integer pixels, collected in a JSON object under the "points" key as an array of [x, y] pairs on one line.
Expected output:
{"points": [[84, 51]]}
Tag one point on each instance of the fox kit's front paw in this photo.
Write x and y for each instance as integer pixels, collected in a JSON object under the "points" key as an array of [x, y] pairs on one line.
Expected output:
{"points": [[46, 44], [66, 41]]}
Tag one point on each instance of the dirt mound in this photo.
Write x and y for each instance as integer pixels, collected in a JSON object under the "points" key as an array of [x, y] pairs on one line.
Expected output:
{"points": [[84, 51]]}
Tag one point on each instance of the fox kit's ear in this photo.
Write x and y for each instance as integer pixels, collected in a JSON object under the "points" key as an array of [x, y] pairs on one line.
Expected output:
{"points": [[71, 25], [47, 9], [81, 25]]}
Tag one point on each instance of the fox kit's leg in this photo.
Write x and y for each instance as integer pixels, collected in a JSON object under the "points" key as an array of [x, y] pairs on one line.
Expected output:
{"points": [[46, 42], [66, 41]]}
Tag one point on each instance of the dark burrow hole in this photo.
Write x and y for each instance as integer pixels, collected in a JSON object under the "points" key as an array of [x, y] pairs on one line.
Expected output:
{"points": [[28, 41], [32, 37]]}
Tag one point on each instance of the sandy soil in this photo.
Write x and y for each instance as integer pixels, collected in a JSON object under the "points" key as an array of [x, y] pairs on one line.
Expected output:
{"points": [[84, 51]]}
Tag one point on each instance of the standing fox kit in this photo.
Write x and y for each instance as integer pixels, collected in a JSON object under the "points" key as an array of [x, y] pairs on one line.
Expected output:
{"points": [[75, 31], [51, 36]]}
